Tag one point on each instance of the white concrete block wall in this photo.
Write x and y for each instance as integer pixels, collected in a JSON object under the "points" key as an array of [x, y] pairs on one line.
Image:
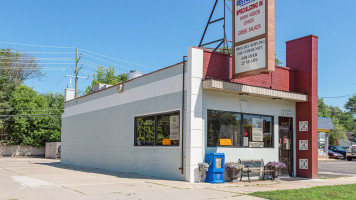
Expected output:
{"points": [[214, 100], [194, 115]]}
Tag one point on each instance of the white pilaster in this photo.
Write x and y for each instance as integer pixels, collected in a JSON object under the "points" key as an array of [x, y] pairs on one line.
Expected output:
{"points": [[193, 115]]}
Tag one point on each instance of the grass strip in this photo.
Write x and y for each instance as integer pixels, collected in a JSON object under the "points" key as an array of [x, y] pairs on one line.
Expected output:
{"points": [[321, 192]]}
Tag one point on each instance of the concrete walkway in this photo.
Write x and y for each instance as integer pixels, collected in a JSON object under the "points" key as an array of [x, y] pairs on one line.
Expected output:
{"points": [[33, 178]]}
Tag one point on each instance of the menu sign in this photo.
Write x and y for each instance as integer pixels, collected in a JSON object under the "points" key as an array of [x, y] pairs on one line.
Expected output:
{"points": [[253, 37], [249, 19]]}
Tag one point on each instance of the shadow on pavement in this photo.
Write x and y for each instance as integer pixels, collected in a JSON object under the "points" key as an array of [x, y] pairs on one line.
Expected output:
{"points": [[101, 171]]}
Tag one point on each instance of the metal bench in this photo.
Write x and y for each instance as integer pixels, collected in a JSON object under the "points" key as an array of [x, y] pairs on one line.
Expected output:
{"points": [[254, 166]]}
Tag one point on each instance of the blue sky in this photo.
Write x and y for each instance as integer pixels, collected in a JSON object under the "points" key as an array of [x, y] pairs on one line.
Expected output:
{"points": [[155, 34]]}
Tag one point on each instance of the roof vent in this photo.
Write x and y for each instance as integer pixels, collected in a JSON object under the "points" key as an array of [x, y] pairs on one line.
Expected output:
{"points": [[133, 74], [99, 86]]}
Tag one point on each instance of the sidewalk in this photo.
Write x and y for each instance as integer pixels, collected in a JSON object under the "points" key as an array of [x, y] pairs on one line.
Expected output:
{"points": [[33, 178]]}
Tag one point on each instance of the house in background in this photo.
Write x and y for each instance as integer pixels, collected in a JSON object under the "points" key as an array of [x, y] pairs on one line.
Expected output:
{"points": [[351, 140], [324, 126]]}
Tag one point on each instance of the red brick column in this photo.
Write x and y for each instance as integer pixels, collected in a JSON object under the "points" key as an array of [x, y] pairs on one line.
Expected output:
{"points": [[302, 58]]}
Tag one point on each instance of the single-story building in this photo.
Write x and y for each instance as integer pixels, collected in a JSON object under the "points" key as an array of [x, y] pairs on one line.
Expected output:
{"points": [[324, 126], [165, 122]]}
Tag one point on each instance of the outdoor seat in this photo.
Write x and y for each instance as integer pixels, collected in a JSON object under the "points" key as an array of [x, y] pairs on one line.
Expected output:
{"points": [[254, 166]]}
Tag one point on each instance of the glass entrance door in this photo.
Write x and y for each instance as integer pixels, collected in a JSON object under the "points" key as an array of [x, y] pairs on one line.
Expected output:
{"points": [[286, 144]]}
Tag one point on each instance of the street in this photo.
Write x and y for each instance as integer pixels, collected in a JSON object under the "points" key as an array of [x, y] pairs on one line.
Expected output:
{"points": [[337, 168]]}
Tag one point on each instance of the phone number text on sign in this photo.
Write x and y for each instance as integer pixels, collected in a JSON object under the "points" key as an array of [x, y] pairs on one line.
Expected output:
{"points": [[250, 56], [249, 19]]}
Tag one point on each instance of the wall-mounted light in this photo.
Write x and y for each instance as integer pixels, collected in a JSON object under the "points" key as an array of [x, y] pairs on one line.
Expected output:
{"points": [[243, 94], [277, 99]]}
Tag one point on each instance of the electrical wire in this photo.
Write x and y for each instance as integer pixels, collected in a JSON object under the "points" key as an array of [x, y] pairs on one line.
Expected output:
{"points": [[108, 62], [39, 52], [29, 114], [118, 59], [337, 97], [36, 45], [6, 110], [37, 63], [96, 66], [34, 68]]}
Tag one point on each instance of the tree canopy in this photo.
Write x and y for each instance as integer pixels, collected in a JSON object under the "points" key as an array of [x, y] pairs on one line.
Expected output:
{"points": [[343, 121], [35, 118], [106, 75]]}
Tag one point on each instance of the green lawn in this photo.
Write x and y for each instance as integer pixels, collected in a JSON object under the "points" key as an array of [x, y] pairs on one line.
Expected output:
{"points": [[322, 192]]}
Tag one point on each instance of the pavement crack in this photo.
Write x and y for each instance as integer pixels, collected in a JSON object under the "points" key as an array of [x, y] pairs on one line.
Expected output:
{"points": [[74, 190]]}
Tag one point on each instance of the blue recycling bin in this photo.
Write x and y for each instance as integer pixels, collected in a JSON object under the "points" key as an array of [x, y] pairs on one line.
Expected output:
{"points": [[216, 169]]}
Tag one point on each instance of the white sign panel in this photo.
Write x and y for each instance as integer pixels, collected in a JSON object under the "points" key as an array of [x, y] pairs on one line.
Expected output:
{"points": [[250, 19], [245, 141], [256, 144], [250, 56], [286, 113], [174, 127], [257, 134]]}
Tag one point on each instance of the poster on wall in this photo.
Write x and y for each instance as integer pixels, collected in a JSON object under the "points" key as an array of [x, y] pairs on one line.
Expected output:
{"points": [[174, 127], [257, 134], [253, 37]]}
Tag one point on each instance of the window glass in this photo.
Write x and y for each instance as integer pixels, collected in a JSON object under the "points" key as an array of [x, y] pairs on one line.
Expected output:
{"points": [[145, 130], [224, 128], [168, 129], [239, 130], [267, 131], [158, 130]]}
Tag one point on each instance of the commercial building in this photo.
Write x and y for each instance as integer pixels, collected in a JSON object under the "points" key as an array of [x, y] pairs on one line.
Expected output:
{"points": [[325, 125], [163, 123]]}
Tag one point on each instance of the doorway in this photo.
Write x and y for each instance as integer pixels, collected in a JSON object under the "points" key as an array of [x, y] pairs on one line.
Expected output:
{"points": [[286, 144]]}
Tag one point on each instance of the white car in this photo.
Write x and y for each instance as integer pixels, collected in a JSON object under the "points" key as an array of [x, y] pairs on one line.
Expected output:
{"points": [[351, 152]]}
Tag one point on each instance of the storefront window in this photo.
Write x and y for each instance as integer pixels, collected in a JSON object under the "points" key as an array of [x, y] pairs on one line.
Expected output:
{"points": [[158, 130], [224, 128], [239, 130]]}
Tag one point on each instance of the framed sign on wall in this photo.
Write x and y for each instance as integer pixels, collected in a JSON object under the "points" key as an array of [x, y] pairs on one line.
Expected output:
{"points": [[253, 50]]}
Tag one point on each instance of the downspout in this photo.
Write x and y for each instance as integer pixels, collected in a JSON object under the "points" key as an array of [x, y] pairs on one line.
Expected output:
{"points": [[183, 112]]}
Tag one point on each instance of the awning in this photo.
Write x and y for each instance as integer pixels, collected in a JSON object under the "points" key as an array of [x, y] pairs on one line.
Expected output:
{"points": [[217, 85]]}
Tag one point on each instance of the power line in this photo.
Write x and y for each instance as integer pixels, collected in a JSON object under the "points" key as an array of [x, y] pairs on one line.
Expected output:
{"points": [[34, 58], [337, 97], [108, 62], [29, 114], [6, 110], [37, 63], [40, 52], [118, 59], [38, 69], [96, 66], [36, 45]]}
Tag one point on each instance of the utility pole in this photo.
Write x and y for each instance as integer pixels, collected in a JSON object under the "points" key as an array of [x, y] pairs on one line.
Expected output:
{"points": [[76, 72]]}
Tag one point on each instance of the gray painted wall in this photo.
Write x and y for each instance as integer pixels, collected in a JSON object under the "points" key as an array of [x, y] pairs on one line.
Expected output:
{"points": [[103, 137]]}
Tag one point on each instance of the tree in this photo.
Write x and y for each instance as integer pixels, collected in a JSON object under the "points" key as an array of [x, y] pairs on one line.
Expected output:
{"points": [[343, 121], [106, 75], [6, 90], [21, 67], [34, 123], [351, 105], [56, 105]]}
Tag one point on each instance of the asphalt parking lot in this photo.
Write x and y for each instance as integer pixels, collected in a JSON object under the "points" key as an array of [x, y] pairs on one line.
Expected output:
{"points": [[337, 168], [36, 178]]}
